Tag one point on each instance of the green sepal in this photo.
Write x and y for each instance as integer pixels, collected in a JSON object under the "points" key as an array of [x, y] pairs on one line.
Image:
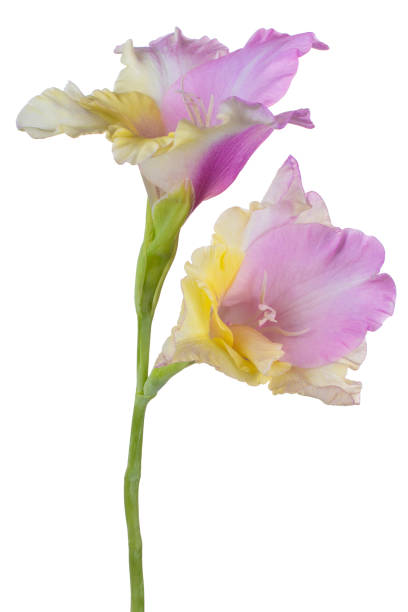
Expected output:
{"points": [[161, 375], [163, 223]]}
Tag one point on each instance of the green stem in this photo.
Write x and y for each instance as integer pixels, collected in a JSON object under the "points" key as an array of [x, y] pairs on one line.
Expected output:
{"points": [[132, 479], [163, 223], [144, 329], [134, 467]]}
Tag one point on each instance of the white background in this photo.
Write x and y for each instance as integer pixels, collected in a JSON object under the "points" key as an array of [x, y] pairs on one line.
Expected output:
{"points": [[248, 501]]}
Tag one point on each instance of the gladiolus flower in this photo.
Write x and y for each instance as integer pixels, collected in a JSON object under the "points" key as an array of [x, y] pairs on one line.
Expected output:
{"points": [[283, 297], [182, 109]]}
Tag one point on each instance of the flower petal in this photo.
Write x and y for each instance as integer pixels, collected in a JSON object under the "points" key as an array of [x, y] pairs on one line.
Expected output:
{"points": [[56, 112], [260, 72], [134, 124], [128, 147], [200, 334], [317, 211], [134, 111], [284, 200], [213, 157], [323, 284], [286, 190], [151, 70], [262, 36], [256, 347], [230, 227], [191, 340], [214, 268], [327, 383], [354, 359]]}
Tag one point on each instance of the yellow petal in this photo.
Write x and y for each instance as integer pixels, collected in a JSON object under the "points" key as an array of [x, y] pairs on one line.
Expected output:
{"points": [[132, 120], [215, 267], [327, 383], [141, 72], [201, 335], [191, 340], [136, 127], [57, 112], [196, 311], [127, 147], [132, 110], [256, 347], [230, 226]]}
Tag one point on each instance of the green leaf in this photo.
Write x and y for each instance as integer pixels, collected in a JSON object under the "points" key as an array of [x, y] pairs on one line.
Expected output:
{"points": [[160, 376]]}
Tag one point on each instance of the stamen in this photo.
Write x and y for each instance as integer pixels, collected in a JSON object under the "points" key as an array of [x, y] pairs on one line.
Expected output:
{"points": [[196, 109], [210, 111], [202, 110], [269, 314], [187, 105], [291, 333], [263, 288], [187, 99]]}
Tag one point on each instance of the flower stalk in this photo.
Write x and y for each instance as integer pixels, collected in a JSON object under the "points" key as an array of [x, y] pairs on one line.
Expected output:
{"points": [[132, 479], [163, 223]]}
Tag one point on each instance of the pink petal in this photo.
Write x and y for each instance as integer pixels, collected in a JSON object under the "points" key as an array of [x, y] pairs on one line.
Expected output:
{"points": [[225, 159], [286, 188], [284, 200], [287, 200], [323, 283], [271, 35], [172, 56], [260, 72], [317, 213], [215, 157]]}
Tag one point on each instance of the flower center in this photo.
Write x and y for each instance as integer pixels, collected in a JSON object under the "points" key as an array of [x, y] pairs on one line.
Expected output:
{"points": [[199, 115], [269, 313]]}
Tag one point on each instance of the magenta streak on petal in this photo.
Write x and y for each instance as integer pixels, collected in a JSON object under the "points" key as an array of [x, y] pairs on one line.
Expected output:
{"points": [[224, 160], [319, 279]]}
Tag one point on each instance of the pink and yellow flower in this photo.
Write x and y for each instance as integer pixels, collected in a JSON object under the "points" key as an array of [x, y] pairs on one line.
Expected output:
{"points": [[182, 108], [283, 297]]}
